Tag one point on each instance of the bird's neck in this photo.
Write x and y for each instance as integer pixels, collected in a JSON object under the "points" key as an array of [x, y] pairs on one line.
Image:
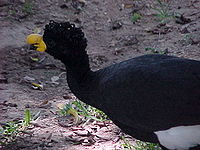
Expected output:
{"points": [[78, 66], [81, 80]]}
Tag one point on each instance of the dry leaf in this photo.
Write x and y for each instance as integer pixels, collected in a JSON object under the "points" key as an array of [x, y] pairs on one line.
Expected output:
{"points": [[37, 86], [128, 5], [43, 103], [34, 59], [60, 105]]}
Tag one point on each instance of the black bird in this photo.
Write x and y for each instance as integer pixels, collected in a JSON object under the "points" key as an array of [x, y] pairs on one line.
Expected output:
{"points": [[154, 98]]}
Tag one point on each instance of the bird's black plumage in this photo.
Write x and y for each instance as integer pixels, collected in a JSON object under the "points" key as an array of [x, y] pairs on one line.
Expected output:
{"points": [[141, 95]]}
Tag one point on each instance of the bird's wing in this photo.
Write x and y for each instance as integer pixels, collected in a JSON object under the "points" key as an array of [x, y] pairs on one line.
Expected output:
{"points": [[153, 96]]}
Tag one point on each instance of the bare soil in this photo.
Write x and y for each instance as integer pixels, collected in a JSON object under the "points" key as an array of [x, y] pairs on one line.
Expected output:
{"points": [[112, 35]]}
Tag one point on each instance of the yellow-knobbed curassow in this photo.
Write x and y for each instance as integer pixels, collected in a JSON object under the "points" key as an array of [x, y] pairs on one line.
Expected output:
{"points": [[154, 98]]}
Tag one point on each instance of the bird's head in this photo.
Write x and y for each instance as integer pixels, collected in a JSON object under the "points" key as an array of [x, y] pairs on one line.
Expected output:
{"points": [[61, 40]]}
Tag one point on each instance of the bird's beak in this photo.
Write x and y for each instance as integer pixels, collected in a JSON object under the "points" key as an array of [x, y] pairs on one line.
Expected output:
{"points": [[37, 41]]}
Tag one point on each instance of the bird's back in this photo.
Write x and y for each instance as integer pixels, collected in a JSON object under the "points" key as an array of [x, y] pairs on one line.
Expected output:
{"points": [[153, 92]]}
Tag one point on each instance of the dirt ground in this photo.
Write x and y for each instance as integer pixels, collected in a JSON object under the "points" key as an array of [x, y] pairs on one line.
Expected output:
{"points": [[113, 35]]}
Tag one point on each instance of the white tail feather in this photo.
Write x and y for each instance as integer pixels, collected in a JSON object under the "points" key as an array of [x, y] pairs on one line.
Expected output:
{"points": [[179, 138]]}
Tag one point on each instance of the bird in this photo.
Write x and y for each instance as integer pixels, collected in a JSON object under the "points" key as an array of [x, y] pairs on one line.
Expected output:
{"points": [[153, 97]]}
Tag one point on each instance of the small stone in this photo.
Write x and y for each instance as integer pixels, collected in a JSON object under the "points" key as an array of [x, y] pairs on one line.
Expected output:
{"points": [[116, 25], [182, 19], [77, 20], [49, 145], [88, 142], [64, 6], [78, 4], [184, 30], [3, 79], [67, 96], [131, 40], [27, 106], [195, 38], [12, 105]]}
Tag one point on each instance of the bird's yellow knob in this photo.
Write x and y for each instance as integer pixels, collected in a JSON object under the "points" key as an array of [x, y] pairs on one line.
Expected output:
{"points": [[37, 41]]}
